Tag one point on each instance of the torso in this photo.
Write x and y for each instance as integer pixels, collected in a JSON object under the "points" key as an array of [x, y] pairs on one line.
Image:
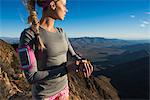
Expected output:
{"points": [[56, 48]]}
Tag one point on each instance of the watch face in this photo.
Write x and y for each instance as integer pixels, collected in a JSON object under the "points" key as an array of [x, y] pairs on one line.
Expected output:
{"points": [[24, 57]]}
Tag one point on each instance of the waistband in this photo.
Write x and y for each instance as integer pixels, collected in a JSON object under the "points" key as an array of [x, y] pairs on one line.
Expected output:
{"points": [[55, 67]]}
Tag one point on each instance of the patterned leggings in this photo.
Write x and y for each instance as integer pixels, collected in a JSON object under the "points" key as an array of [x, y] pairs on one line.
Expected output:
{"points": [[62, 95]]}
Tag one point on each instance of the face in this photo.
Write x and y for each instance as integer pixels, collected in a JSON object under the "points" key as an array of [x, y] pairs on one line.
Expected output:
{"points": [[61, 9]]}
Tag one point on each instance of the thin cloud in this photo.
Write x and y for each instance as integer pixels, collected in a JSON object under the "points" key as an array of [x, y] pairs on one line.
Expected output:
{"points": [[132, 16], [145, 22], [147, 13], [142, 25]]}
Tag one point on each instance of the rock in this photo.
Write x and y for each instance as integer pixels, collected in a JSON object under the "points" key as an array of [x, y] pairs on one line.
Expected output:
{"points": [[8, 70], [93, 88]]}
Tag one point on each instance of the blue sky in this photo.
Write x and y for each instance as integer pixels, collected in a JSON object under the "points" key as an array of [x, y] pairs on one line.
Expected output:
{"points": [[124, 19]]}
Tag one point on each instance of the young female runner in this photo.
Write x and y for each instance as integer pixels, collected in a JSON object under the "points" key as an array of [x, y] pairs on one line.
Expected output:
{"points": [[43, 50]]}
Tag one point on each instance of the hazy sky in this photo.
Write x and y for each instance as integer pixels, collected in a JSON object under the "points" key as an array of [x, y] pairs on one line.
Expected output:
{"points": [[125, 19]]}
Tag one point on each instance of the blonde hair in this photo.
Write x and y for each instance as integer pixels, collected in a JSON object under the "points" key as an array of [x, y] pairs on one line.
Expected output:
{"points": [[34, 22]]}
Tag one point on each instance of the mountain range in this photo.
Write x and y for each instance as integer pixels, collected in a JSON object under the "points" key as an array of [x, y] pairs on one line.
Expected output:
{"points": [[125, 62], [13, 84], [13, 40]]}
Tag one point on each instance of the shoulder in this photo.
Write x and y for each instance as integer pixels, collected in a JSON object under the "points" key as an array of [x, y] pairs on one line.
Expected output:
{"points": [[27, 38], [27, 33], [60, 30]]}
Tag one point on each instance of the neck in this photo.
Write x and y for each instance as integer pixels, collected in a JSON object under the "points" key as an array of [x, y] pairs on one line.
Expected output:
{"points": [[47, 23]]}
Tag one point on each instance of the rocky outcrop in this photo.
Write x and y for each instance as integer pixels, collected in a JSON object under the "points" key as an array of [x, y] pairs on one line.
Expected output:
{"points": [[93, 88], [13, 85], [12, 81]]}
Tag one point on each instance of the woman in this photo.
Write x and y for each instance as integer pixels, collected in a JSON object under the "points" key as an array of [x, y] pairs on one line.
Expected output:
{"points": [[48, 70]]}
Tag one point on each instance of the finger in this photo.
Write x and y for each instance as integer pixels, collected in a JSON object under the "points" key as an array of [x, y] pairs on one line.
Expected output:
{"points": [[86, 69], [91, 66], [89, 70], [84, 61]]}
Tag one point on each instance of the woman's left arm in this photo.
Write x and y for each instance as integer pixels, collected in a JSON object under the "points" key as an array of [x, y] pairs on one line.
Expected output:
{"points": [[71, 51], [84, 65]]}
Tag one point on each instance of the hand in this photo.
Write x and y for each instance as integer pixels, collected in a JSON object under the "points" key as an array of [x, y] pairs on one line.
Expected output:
{"points": [[83, 66], [86, 67]]}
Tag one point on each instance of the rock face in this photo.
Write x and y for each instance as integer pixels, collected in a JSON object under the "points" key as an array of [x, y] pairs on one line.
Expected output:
{"points": [[13, 85], [93, 88], [12, 81]]}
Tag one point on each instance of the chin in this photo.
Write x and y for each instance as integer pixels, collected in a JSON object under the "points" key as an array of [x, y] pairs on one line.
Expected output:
{"points": [[61, 18]]}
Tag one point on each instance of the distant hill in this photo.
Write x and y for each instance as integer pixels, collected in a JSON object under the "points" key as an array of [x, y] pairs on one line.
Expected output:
{"points": [[98, 41], [88, 40], [106, 42], [109, 52], [136, 47], [10, 40], [125, 62], [126, 56], [131, 78]]}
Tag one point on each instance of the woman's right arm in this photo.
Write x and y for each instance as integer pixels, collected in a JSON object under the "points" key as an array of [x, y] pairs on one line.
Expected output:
{"points": [[33, 75]]}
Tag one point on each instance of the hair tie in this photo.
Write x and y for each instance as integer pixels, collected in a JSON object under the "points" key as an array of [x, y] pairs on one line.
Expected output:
{"points": [[45, 4], [32, 18]]}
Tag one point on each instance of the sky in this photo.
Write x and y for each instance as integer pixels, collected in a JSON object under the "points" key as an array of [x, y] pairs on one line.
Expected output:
{"points": [[122, 19]]}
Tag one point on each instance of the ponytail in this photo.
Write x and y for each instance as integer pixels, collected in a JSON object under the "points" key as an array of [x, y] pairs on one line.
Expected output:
{"points": [[34, 22]]}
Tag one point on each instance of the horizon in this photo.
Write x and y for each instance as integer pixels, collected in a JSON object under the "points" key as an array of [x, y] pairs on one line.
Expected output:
{"points": [[126, 19], [90, 37]]}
